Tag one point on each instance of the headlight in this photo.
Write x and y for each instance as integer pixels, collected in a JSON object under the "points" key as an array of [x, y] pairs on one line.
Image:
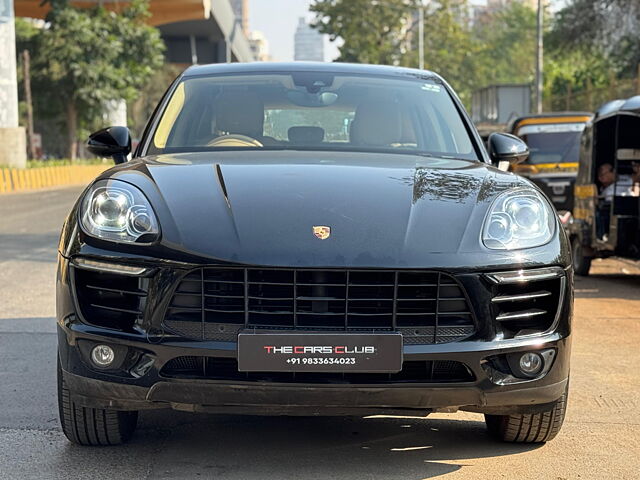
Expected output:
{"points": [[519, 218], [117, 211]]}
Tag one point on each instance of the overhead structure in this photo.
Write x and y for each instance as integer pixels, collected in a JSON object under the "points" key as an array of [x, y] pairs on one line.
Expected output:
{"points": [[195, 31]]}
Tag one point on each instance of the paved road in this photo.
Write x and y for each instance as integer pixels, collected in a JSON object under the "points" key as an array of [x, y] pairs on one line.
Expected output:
{"points": [[600, 439]]}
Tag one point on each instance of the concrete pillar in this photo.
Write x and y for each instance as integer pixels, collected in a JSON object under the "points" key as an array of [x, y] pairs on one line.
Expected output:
{"points": [[13, 142], [115, 113], [224, 53]]}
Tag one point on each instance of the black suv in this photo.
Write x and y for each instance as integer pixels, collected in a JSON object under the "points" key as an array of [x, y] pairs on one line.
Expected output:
{"points": [[295, 239]]}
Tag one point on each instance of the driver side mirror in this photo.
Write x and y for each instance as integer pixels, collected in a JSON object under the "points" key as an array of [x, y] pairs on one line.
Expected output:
{"points": [[505, 149], [111, 142]]}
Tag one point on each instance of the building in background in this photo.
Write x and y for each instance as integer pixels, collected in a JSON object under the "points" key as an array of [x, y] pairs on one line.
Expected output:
{"points": [[309, 44], [259, 46], [13, 151], [241, 10], [194, 31]]}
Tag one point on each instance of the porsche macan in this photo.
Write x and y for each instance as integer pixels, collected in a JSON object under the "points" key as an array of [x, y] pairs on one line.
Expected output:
{"points": [[312, 239]]}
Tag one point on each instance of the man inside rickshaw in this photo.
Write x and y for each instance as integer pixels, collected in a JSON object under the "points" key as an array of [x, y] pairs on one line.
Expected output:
{"points": [[613, 185]]}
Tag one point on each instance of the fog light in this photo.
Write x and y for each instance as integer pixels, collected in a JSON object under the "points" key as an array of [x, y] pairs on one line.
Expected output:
{"points": [[531, 364], [102, 355]]}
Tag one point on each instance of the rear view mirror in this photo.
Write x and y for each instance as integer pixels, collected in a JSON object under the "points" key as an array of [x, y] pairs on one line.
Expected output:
{"points": [[504, 147], [305, 99], [111, 142]]}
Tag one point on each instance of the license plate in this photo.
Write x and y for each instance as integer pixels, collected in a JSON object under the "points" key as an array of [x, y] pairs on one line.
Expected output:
{"points": [[319, 352]]}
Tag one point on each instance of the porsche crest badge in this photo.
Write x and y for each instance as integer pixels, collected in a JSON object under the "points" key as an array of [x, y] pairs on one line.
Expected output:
{"points": [[322, 232]]}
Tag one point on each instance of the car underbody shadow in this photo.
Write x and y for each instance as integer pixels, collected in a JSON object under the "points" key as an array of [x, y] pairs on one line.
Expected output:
{"points": [[232, 446]]}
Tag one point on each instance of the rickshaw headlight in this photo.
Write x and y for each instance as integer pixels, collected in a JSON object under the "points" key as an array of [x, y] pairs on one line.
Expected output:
{"points": [[518, 218]]}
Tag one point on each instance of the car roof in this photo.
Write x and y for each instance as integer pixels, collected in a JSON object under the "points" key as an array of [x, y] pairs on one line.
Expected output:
{"points": [[550, 117], [287, 67], [556, 114]]}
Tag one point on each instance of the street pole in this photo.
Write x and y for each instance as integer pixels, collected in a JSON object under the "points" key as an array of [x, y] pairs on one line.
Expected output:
{"points": [[539, 66], [421, 37], [26, 64]]}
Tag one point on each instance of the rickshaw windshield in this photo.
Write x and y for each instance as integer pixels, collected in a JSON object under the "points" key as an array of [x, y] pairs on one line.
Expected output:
{"points": [[559, 143]]}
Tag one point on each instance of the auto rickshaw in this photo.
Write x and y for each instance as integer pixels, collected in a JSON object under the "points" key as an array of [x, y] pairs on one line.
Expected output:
{"points": [[607, 202], [554, 141]]}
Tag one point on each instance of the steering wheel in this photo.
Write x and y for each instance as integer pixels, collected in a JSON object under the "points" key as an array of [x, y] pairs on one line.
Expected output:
{"points": [[234, 140]]}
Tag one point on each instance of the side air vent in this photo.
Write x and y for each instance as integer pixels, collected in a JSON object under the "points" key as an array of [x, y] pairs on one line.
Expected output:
{"points": [[526, 302], [110, 300]]}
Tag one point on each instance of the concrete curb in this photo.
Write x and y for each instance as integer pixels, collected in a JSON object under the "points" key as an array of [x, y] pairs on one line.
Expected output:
{"points": [[23, 179]]}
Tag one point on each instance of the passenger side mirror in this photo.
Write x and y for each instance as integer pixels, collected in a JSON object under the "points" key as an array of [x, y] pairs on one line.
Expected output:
{"points": [[505, 149], [111, 142]]}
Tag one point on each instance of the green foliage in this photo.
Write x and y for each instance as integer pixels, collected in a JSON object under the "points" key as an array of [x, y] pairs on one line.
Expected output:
{"points": [[576, 71], [374, 31], [603, 29], [589, 44], [86, 57], [500, 49], [507, 39], [93, 55], [592, 45], [449, 48]]}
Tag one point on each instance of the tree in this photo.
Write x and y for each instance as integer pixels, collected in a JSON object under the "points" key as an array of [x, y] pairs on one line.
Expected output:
{"points": [[507, 44], [607, 28], [385, 32], [449, 48], [90, 56], [584, 42], [373, 31]]}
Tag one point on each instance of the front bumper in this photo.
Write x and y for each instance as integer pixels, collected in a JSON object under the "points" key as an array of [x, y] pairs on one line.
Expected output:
{"points": [[483, 392], [92, 388]]}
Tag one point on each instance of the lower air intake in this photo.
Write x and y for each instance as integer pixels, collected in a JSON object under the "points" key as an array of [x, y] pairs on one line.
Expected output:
{"points": [[216, 368]]}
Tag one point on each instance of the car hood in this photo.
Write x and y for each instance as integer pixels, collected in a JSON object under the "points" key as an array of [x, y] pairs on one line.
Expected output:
{"points": [[260, 207]]}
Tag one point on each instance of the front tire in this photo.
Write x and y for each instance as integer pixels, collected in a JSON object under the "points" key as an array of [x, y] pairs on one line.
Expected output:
{"points": [[92, 426], [528, 428], [581, 263]]}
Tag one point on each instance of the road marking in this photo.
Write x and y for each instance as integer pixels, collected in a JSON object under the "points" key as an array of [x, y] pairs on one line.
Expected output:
{"points": [[614, 403]]}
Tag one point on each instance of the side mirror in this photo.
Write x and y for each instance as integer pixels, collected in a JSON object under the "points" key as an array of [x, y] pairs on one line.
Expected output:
{"points": [[505, 149], [111, 142]]}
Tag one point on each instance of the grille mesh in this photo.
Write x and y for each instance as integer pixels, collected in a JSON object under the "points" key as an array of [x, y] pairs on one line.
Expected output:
{"points": [[214, 303], [217, 368]]}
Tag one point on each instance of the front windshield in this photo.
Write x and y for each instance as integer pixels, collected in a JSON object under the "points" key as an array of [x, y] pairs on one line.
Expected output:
{"points": [[314, 111], [552, 143]]}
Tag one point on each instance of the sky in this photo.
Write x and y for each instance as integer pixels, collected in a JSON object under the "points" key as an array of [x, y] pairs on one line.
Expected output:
{"points": [[278, 20]]}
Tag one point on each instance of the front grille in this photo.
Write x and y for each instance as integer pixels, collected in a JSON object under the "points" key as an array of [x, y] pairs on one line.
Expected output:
{"points": [[110, 300], [217, 368], [215, 303], [528, 306]]}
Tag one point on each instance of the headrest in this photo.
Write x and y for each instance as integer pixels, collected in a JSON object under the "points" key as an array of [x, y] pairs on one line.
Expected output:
{"points": [[240, 113], [376, 123], [306, 135]]}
